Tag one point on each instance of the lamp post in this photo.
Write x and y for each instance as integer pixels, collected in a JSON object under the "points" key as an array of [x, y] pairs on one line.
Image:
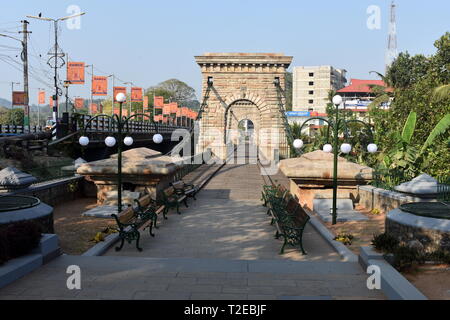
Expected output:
{"points": [[110, 141], [344, 148], [66, 85], [55, 57], [129, 106]]}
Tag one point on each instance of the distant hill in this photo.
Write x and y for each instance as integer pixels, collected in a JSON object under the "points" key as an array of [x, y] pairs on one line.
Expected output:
{"points": [[5, 103]]}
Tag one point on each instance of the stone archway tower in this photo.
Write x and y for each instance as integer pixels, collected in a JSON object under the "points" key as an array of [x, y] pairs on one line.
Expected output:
{"points": [[243, 79]]}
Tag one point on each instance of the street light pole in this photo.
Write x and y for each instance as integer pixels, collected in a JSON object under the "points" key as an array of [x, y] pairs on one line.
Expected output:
{"points": [[57, 90], [111, 141], [129, 104], [345, 148], [92, 82], [337, 100], [66, 85]]}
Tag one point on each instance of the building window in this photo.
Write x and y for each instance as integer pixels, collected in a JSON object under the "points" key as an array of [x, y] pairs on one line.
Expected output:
{"points": [[311, 83], [310, 101], [311, 92], [311, 74]]}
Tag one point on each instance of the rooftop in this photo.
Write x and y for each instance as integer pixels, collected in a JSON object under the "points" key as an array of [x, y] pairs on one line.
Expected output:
{"points": [[363, 86]]}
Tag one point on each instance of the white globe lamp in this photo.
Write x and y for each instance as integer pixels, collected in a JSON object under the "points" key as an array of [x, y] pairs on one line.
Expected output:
{"points": [[328, 148], [298, 143], [121, 97], [128, 141], [157, 138], [372, 148], [84, 141], [337, 100], [110, 141], [346, 148]]}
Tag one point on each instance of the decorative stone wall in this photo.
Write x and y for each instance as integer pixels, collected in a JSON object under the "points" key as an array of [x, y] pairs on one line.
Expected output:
{"points": [[385, 200], [243, 89], [433, 234]]}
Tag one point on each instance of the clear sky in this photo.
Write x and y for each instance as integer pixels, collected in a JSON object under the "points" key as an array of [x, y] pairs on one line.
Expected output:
{"points": [[151, 41]]}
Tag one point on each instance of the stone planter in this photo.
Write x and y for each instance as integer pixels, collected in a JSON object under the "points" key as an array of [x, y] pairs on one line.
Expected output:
{"points": [[432, 233]]}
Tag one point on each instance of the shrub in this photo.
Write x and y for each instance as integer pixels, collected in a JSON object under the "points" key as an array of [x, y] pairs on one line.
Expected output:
{"points": [[405, 258], [385, 243], [438, 256], [21, 238]]}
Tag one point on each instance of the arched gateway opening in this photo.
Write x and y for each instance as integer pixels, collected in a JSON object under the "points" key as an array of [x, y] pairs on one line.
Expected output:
{"points": [[242, 123], [243, 89]]}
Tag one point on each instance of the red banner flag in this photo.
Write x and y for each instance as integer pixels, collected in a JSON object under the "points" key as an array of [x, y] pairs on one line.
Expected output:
{"points": [[118, 90], [166, 109], [75, 72], [93, 107], [173, 108], [99, 86], [41, 97], [51, 102], [158, 101], [18, 98], [79, 103], [136, 94]]}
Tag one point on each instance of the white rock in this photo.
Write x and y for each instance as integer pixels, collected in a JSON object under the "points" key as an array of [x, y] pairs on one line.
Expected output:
{"points": [[423, 184]]}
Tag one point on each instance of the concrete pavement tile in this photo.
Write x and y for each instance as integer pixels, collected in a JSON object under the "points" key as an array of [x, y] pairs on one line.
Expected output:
{"points": [[194, 288]]}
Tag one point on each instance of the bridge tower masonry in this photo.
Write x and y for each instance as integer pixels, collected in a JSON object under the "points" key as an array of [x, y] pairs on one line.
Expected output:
{"points": [[243, 89]]}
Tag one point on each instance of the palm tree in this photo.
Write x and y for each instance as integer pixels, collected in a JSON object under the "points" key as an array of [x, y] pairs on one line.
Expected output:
{"points": [[442, 92]]}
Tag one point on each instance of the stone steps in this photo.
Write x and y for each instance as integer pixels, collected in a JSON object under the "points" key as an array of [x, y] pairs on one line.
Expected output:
{"points": [[110, 277]]}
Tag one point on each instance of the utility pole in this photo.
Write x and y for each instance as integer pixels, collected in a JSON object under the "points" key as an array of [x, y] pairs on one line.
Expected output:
{"points": [[112, 101], [25, 74], [39, 110], [129, 105], [55, 56], [92, 82]]}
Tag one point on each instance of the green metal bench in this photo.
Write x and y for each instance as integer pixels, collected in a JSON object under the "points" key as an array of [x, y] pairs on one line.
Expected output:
{"points": [[146, 210], [287, 215], [131, 220], [182, 188], [170, 199], [291, 228]]}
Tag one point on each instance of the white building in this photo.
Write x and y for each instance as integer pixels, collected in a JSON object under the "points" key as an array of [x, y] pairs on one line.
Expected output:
{"points": [[311, 86]]}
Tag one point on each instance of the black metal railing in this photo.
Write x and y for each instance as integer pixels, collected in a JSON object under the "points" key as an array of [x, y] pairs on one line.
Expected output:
{"points": [[444, 188], [18, 129]]}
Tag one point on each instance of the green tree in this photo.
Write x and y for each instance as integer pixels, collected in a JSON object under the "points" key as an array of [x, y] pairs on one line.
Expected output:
{"points": [[420, 87], [11, 116], [179, 91]]}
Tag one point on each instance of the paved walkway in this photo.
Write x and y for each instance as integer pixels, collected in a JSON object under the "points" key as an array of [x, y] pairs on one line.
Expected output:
{"points": [[227, 221], [221, 247]]}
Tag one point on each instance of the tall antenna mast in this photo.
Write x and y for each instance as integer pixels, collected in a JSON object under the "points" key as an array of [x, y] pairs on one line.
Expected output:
{"points": [[392, 52]]}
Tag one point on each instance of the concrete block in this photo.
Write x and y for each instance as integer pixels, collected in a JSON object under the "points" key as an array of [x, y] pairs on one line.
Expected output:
{"points": [[48, 244], [366, 254], [19, 267], [394, 285], [324, 205]]}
